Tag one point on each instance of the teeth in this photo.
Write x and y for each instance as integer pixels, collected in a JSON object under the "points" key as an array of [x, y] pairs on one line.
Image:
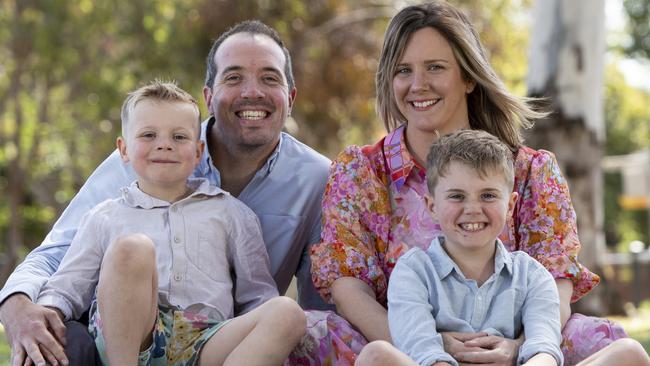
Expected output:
{"points": [[252, 115], [424, 104], [473, 226]]}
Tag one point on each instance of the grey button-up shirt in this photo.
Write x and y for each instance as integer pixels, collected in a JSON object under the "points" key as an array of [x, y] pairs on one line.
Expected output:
{"points": [[200, 240], [428, 294]]}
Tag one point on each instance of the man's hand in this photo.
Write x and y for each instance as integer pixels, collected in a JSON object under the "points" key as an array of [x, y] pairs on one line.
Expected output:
{"points": [[36, 334], [492, 350]]}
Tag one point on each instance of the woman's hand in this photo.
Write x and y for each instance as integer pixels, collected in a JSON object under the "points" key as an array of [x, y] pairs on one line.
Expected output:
{"points": [[489, 349]]}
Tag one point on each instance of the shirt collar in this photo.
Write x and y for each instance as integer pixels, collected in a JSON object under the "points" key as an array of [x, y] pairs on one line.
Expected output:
{"points": [[443, 264], [206, 160], [399, 160], [134, 197]]}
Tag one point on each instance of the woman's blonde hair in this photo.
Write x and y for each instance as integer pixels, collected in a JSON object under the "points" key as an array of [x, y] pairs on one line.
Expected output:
{"points": [[491, 107]]}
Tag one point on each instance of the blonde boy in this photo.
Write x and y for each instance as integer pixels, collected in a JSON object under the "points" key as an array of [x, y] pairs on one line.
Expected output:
{"points": [[165, 267], [467, 281]]}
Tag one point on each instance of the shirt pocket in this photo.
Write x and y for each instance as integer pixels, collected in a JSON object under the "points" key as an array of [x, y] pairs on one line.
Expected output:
{"points": [[208, 254]]}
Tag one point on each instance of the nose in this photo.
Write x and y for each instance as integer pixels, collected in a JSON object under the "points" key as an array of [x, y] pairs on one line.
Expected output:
{"points": [[164, 143], [472, 207], [419, 82], [252, 90]]}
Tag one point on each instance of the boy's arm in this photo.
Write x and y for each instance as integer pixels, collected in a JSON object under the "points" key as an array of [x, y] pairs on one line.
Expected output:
{"points": [[71, 287], [410, 315], [253, 281], [541, 316]]}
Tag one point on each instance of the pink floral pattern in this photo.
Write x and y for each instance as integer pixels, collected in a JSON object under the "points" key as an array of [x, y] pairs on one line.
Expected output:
{"points": [[374, 211]]}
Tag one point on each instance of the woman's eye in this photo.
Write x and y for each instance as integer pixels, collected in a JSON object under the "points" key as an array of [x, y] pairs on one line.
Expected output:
{"points": [[402, 70], [434, 67]]}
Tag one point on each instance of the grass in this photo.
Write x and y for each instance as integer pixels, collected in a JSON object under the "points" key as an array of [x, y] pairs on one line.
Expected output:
{"points": [[638, 327]]}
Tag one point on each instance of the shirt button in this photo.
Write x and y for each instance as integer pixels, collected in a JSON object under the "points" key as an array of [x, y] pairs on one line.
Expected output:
{"points": [[174, 209], [177, 239], [178, 277]]}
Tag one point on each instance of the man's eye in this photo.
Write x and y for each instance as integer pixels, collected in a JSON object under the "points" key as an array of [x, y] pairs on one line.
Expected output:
{"points": [[271, 79], [232, 78]]}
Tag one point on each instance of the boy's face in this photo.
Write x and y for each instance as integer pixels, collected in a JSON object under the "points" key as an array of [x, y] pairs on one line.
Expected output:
{"points": [[471, 209], [162, 144]]}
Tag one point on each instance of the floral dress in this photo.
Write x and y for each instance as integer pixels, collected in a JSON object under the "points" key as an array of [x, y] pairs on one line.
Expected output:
{"points": [[374, 211]]}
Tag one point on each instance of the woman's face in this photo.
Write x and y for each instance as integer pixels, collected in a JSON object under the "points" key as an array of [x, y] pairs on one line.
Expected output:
{"points": [[429, 89]]}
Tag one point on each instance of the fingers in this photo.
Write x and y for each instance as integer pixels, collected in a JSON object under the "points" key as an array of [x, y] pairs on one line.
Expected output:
{"points": [[54, 349], [464, 337], [34, 355], [18, 356], [50, 357], [482, 357], [57, 326], [484, 342]]}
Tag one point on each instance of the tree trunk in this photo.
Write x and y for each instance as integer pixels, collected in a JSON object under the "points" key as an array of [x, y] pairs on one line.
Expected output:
{"points": [[566, 66]]}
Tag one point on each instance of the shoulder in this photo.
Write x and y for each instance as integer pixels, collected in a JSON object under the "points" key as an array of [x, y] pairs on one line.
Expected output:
{"points": [[293, 147], [530, 158], [414, 258], [369, 158]]}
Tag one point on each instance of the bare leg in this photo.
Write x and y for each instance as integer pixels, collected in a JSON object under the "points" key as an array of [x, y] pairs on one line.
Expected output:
{"points": [[127, 296], [264, 336], [621, 352], [382, 353]]}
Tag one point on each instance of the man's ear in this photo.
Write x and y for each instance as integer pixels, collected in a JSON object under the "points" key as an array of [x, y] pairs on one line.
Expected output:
{"points": [[292, 98], [207, 96], [121, 147], [431, 207]]}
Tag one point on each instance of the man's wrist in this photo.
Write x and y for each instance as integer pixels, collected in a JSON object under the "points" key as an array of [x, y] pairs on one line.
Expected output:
{"points": [[11, 300]]}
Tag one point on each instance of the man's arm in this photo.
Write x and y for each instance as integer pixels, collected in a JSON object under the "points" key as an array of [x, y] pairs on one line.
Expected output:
{"points": [[104, 183], [33, 330]]}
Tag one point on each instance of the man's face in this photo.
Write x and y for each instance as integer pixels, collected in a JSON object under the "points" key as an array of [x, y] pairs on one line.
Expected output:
{"points": [[250, 98]]}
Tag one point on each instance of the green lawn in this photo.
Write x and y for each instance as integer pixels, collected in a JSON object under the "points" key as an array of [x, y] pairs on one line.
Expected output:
{"points": [[638, 328]]}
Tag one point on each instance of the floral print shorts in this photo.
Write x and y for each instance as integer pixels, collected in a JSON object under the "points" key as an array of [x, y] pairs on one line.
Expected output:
{"points": [[178, 337]]}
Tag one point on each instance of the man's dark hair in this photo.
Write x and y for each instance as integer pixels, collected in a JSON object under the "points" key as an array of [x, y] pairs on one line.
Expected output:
{"points": [[252, 27]]}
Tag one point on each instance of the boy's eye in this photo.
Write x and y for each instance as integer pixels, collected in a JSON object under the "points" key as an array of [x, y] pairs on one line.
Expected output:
{"points": [[180, 137], [148, 135], [455, 197], [489, 196]]}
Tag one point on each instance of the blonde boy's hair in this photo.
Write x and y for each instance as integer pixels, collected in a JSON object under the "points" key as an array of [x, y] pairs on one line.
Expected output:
{"points": [[159, 90], [474, 148]]}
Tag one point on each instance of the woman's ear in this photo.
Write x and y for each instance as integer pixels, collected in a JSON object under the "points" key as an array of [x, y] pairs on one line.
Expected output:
{"points": [[469, 86]]}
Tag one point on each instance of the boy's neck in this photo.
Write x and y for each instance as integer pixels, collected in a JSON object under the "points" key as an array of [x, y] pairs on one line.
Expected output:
{"points": [[169, 194], [477, 265]]}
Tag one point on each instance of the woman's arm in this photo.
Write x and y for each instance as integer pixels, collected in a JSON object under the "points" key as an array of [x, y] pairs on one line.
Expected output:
{"points": [[565, 289], [355, 301]]}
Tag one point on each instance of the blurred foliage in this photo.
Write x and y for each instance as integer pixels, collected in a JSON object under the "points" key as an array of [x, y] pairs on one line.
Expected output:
{"points": [[68, 64], [627, 116], [638, 12]]}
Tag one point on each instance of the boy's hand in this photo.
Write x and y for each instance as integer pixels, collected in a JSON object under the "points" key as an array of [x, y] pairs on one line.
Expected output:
{"points": [[493, 350], [454, 342], [36, 334]]}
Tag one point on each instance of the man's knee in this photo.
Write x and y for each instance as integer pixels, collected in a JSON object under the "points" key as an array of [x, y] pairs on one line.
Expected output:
{"points": [[80, 345]]}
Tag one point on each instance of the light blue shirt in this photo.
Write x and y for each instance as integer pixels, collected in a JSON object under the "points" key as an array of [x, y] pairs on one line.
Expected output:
{"points": [[285, 194], [201, 241], [428, 294]]}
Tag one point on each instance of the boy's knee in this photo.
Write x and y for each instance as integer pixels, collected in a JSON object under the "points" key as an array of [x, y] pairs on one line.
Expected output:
{"points": [[375, 353], [131, 251], [631, 349], [288, 312]]}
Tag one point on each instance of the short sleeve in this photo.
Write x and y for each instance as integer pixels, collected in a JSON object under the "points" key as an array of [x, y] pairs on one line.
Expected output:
{"points": [[355, 225], [544, 222]]}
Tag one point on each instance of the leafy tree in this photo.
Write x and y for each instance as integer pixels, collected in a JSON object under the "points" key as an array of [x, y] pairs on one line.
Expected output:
{"points": [[638, 12]]}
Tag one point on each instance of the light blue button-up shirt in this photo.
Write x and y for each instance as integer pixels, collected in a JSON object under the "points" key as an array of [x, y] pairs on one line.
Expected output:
{"points": [[285, 194], [428, 294]]}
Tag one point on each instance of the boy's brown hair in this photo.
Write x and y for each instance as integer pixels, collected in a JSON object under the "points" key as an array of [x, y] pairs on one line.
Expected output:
{"points": [[159, 90], [474, 148]]}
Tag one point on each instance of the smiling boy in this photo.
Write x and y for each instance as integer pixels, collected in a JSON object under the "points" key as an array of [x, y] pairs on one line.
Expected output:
{"points": [[467, 281]]}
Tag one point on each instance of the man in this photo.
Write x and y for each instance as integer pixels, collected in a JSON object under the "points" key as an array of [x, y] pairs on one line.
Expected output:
{"points": [[249, 92]]}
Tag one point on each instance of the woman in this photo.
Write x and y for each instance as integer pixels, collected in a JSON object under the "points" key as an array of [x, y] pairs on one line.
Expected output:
{"points": [[434, 78]]}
